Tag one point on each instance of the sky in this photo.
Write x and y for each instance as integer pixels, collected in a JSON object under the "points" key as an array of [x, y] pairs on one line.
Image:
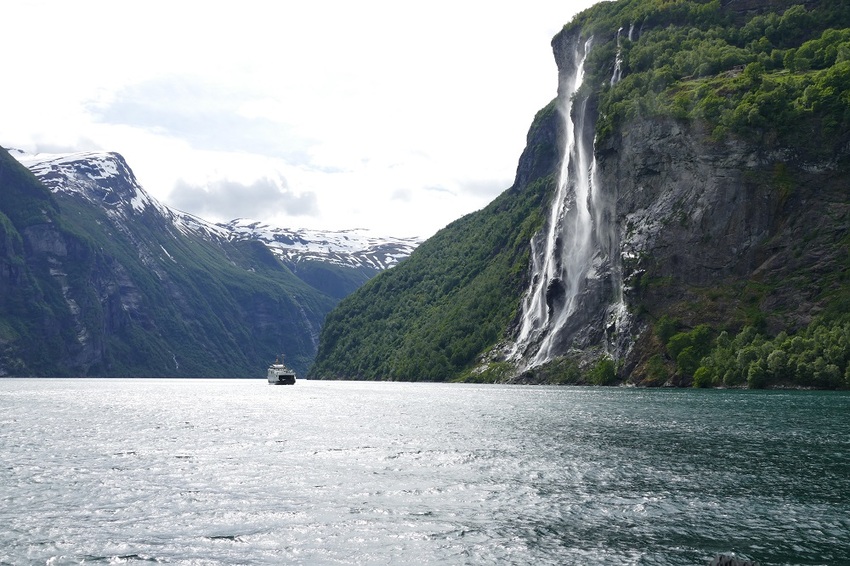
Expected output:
{"points": [[397, 117]]}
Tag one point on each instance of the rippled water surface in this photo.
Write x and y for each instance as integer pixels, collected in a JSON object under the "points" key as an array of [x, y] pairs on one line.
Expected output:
{"points": [[239, 472]]}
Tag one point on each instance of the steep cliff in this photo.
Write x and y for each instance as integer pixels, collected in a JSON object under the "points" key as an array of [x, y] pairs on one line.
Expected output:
{"points": [[693, 172], [723, 233]]}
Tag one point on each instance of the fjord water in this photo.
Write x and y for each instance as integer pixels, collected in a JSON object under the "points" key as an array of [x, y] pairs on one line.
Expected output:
{"points": [[239, 472]]}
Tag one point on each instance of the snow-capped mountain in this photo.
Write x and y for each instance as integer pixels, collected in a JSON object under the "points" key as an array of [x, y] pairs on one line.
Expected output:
{"points": [[353, 248], [105, 179], [100, 177]]}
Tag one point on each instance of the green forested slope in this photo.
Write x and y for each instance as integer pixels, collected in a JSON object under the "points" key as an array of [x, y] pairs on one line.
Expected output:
{"points": [[773, 75], [221, 310], [430, 316]]}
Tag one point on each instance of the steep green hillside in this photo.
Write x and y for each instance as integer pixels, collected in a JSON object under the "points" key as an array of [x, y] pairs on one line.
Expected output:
{"points": [[453, 297], [723, 149], [769, 74], [226, 311], [438, 310]]}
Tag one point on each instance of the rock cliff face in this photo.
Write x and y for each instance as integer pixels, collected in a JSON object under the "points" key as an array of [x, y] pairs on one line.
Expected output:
{"points": [[713, 232]]}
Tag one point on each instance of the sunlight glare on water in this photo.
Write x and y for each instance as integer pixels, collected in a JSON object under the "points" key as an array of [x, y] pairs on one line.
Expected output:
{"points": [[236, 471]]}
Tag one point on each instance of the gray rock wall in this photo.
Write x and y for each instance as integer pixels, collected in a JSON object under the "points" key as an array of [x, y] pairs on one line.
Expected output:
{"points": [[714, 231]]}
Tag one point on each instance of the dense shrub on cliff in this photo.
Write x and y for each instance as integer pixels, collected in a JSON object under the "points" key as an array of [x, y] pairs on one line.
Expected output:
{"points": [[775, 77], [819, 356]]}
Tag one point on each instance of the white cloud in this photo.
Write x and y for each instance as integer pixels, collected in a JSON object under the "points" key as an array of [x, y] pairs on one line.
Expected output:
{"points": [[395, 116], [240, 200]]}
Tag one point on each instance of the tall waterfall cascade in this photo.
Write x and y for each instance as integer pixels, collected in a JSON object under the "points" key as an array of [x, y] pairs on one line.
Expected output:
{"points": [[576, 243]]}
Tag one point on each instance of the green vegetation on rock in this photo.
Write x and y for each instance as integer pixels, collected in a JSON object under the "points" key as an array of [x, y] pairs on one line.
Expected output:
{"points": [[780, 77], [818, 356]]}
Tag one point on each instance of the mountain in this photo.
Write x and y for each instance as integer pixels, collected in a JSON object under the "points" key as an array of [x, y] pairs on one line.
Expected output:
{"points": [[679, 216], [100, 279], [335, 262], [347, 248]]}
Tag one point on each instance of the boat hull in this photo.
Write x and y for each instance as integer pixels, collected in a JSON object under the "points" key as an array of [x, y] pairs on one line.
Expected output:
{"points": [[279, 374], [282, 380]]}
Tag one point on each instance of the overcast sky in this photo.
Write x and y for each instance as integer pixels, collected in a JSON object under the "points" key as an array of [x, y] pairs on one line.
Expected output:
{"points": [[396, 116]]}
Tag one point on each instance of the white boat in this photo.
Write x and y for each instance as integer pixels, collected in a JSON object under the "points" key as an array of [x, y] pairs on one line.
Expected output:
{"points": [[279, 374]]}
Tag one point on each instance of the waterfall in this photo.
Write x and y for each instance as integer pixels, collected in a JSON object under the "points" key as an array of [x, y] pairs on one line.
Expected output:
{"points": [[618, 60], [604, 210], [562, 257], [576, 287], [617, 75]]}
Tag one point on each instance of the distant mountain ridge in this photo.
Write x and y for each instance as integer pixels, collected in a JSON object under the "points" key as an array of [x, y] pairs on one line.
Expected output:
{"points": [[351, 248], [101, 279]]}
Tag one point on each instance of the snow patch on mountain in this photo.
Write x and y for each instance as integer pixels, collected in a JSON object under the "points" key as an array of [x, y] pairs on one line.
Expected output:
{"points": [[191, 225], [354, 248], [104, 178]]}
